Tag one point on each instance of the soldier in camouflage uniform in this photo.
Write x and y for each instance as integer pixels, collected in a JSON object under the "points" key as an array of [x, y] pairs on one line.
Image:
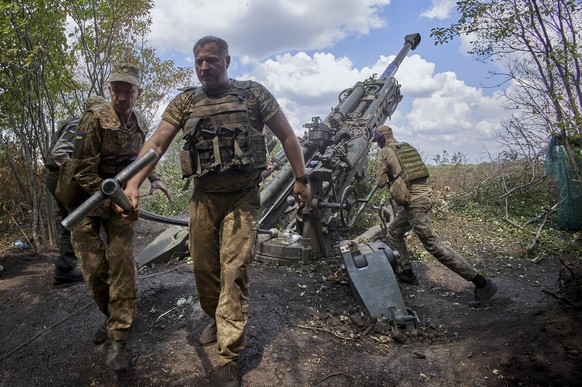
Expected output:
{"points": [[108, 139], [225, 151], [66, 270], [414, 214]]}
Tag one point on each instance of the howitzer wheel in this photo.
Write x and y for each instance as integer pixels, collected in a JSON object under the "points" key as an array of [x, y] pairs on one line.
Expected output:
{"points": [[349, 208]]}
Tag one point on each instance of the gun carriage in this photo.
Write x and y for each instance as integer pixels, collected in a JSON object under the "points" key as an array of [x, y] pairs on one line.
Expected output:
{"points": [[336, 153]]}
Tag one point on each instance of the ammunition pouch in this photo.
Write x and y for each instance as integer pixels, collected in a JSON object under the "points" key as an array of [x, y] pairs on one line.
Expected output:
{"points": [[228, 148], [68, 192], [399, 191], [219, 137]]}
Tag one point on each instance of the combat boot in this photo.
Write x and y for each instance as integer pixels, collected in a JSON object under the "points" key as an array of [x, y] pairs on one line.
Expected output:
{"points": [[227, 375], [483, 295], [208, 335], [62, 276], [407, 277], [100, 334], [116, 357]]}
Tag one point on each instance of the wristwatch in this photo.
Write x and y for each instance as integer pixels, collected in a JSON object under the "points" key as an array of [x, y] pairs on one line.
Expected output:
{"points": [[305, 179]]}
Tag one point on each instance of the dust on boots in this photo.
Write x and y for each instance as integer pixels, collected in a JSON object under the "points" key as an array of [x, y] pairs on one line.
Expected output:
{"points": [[117, 356]]}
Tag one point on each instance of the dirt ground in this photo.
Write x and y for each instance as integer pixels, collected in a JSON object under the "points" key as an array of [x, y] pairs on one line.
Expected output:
{"points": [[305, 329]]}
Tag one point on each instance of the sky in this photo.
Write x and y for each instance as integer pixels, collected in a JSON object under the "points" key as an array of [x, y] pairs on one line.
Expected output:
{"points": [[307, 51]]}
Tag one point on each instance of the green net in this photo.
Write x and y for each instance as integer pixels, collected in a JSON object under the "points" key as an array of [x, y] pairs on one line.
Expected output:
{"points": [[569, 189]]}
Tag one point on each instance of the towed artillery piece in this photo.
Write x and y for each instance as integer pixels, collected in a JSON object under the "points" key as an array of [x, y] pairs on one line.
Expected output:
{"points": [[336, 153]]}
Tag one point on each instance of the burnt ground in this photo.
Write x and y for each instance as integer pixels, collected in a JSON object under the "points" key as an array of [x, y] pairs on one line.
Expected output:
{"points": [[305, 326]]}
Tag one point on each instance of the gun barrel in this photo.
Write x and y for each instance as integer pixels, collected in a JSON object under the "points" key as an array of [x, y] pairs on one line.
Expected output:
{"points": [[347, 106], [410, 43], [107, 189]]}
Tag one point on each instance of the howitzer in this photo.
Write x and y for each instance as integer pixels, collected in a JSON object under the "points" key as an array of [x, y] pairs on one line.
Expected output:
{"points": [[111, 188], [336, 153]]}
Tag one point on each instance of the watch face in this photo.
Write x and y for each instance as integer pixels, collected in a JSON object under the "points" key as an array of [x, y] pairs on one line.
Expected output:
{"points": [[305, 179]]}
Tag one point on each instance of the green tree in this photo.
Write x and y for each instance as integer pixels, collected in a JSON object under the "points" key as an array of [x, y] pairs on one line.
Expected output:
{"points": [[538, 44], [55, 54], [33, 74], [107, 32]]}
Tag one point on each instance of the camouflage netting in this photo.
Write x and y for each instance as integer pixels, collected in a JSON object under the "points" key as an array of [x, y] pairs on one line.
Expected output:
{"points": [[569, 190]]}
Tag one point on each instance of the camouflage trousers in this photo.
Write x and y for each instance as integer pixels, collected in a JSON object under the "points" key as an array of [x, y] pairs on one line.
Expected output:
{"points": [[223, 230], [415, 217], [108, 267]]}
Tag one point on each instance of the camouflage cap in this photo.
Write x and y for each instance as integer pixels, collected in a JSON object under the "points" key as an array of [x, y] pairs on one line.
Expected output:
{"points": [[385, 130], [126, 72], [94, 100]]}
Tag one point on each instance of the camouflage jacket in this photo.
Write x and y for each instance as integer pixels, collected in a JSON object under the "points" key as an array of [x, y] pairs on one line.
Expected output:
{"points": [[104, 146]]}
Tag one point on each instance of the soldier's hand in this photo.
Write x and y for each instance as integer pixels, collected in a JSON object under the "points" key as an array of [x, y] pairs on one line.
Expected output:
{"points": [[157, 184], [302, 193], [127, 215], [131, 216], [132, 193]]}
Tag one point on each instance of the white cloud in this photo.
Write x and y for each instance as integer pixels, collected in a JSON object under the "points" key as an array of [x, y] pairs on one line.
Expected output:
{"points": [[261, 28], [454, 117], [287, 46], [307, 86], [440, 9]]}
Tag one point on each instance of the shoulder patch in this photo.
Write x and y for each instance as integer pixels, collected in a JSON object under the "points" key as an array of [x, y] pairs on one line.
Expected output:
{"points": [[106, 116]]}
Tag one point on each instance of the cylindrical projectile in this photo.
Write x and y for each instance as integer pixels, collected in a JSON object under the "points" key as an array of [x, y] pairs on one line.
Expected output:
{"points": [[112, 189], [97, 198], [336, 118]]}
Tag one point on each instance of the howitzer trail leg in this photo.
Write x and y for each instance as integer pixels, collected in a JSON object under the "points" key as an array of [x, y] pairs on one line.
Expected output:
{"points": [[374, 284]]}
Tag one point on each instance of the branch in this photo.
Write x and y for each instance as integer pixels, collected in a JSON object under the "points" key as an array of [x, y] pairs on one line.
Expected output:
{"points": [[325, 330], [332, 375], [531, 182], [534, 244], [560, 298], [544, 213], [21, 230]]}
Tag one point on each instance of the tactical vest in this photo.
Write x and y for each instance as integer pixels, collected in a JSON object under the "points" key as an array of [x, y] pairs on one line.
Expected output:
{"points": [[412, 165], [219, 135]]}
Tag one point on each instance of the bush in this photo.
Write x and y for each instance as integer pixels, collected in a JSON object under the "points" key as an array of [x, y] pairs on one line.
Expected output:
{"points": [[171, 176]]}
